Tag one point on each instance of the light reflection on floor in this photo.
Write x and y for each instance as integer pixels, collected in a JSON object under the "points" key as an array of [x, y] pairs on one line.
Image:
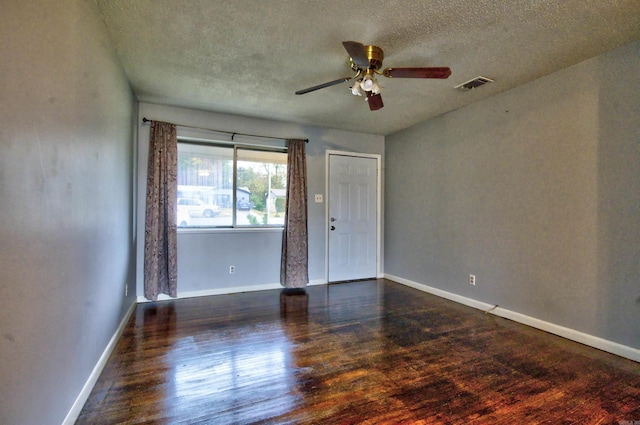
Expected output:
{"points": [[244, 368], [260, 359]]}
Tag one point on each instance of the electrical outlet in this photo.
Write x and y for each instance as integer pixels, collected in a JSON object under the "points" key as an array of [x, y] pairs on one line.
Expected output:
{"points": [[232, 269], [472, 279], [319, 198]]}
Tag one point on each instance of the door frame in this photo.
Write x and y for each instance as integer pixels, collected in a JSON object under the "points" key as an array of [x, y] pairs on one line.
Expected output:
{"points": [[378, 159]]}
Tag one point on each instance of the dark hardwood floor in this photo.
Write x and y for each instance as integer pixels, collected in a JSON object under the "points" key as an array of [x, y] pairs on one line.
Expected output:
{"points": [[371, 352]]}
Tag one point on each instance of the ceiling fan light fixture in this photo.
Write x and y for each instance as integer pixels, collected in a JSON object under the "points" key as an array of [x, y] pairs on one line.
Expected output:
{"points": [[355, 89], [376, 87], [367, 83]]}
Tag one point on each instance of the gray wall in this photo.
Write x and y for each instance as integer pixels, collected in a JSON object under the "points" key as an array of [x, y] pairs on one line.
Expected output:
{"points": [[66, 204], [536, 191], [204, 257]]}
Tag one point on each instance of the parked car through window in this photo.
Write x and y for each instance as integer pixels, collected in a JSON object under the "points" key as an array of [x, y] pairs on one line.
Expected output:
{"points": [[197, 208]]}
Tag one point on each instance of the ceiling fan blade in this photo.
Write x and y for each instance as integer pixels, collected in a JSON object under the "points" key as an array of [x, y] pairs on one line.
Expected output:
{"points": [[374, 101], [357, 53], [436, 72], [321, 86]]}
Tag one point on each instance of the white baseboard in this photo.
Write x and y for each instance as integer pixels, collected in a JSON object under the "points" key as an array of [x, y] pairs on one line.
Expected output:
{"points": [[77, 406], [572, 334], [223, 291], [317, 282]]}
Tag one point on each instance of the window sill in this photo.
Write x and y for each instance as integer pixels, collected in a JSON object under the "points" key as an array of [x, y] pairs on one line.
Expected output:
{"points": [[202, 230]]}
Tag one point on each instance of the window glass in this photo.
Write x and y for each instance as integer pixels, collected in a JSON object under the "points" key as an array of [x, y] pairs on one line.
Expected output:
{"points": [[261, 188], [206, 186]]}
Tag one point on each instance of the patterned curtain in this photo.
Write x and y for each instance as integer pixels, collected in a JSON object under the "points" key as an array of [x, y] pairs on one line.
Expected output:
{"points": [[160, 237], [294, 268]]}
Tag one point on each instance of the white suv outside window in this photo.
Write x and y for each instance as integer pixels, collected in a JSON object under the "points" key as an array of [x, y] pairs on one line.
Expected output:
{"points": [[196, 208]]}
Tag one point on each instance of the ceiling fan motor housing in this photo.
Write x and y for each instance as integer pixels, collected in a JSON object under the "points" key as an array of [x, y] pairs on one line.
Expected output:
{"points": [[375, 55]]}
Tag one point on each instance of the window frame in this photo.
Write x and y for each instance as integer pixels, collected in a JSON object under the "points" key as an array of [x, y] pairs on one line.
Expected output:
{"points": [[234, 146]]}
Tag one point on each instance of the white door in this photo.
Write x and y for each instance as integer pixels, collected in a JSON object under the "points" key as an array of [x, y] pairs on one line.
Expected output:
{"points": [[352, 217]]}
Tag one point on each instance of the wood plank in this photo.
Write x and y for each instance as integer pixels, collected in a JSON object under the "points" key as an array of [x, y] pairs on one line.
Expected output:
{"points": [[370, 352]]}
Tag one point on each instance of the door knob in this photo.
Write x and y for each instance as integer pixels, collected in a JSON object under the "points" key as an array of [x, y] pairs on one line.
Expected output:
{"points": [[333, 219], [333, 227]]}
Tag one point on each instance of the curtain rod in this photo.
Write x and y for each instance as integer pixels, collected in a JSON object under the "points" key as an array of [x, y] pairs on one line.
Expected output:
{"points": [[232, 133]]}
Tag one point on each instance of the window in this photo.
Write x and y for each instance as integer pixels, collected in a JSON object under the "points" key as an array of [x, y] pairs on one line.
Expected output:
{"points": [[230, 186]]}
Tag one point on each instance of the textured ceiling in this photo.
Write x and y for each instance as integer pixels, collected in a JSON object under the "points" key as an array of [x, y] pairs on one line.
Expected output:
{"points": [[248, 57]]}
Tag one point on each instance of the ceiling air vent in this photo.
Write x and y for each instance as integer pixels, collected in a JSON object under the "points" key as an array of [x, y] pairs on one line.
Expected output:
{"points": [[472, 84]]}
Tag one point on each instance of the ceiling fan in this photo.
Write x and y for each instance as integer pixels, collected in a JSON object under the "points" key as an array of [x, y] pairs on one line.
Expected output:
{"points": [[366, 61]]}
